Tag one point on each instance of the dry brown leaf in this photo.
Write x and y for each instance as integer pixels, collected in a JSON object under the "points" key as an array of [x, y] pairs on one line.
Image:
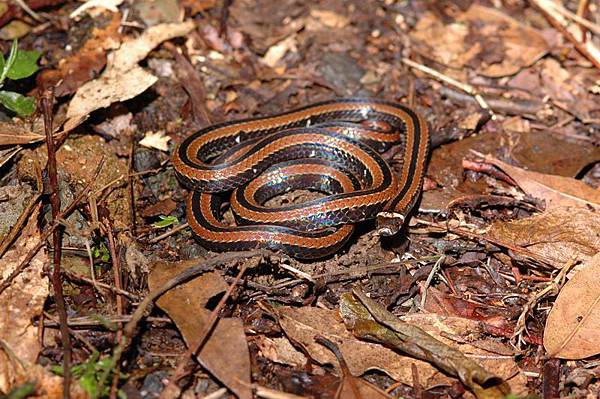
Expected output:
{"points": [[225, 354], [557, 191], [280, 350], [157, 140], [84, 64], [303, 324], [573, 326], [559, 235], [492, 42], [20, 303], [123, 78], [351, 387]]}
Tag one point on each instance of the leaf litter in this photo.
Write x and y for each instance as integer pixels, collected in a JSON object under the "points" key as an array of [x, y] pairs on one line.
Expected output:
{"points": [[505, 79]]}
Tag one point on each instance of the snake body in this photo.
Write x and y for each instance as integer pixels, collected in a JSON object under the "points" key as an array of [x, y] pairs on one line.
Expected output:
{"points": [[332, 147]]}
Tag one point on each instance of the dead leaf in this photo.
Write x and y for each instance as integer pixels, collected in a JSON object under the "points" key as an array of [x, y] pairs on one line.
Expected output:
{"points": [[157, 140], [490, 41], [85, 64], [276, 52], [123, 78], [349, 386], [573, 326], [558, 235], [225, 353], [369, 320], [20, 303], [280, 350], [557, 191], [330, 19], [301, 325]]}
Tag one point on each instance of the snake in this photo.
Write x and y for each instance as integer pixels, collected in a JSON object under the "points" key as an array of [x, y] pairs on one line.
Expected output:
{"points": [[337, 148]]}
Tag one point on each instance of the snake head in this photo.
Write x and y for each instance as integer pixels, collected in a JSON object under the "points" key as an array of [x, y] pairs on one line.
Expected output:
{"points": [[389, 223]]}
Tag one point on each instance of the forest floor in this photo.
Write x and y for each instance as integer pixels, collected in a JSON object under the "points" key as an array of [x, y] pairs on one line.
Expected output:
{"points": [[490, 290]]}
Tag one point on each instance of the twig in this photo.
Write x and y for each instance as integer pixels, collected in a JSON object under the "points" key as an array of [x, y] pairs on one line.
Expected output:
{"points": [[168, 233], [179, 371], [100, 320], [49, 231], [116, 263], [223, 17], [16, 229], [131, 187], [582, 9], [97, 284], [191, 83], [47, 102], [555, 15], [75, 334], [202, 267], [467, 88], [28, 10], [433, 272]]}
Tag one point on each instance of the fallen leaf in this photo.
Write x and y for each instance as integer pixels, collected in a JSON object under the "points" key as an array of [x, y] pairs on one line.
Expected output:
{"points": [[22, 301], [157, 140], [276, 52], [225, 353], [85, 64], [573, 326], [123, 78], [301, 325], [111, 5], [369, 320], [490, 41], [351, 387], [559, 235], [330, 19], [557, 191], [280, 350]]}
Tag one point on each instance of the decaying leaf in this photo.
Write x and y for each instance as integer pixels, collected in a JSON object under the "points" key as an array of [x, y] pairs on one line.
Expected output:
{"points": [[369, 320], [20, 303], [303, 324], [157, 140], [351, 387], [559, 235], [84, 64], [225, 354], [123, 78], [573, 326], [496, 44], [556, 191]]}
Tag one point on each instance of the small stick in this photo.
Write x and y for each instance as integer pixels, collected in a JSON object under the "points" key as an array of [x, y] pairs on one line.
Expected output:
{"points": [[131, 187], [117, 279], [467, 88], [49, 231], [47, 102], [205, 333]]}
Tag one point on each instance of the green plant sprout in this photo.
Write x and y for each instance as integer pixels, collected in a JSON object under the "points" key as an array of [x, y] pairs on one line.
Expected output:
{"points": [[165, 221], [90, 374], [19, 65], [101, 252]]}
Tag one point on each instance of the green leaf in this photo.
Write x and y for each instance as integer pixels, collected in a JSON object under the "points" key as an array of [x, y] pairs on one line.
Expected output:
{"points": [[2, 64], [11, 59], [24, 65], [18, 103], [22, 391], [101, 252], [165, 221]]}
